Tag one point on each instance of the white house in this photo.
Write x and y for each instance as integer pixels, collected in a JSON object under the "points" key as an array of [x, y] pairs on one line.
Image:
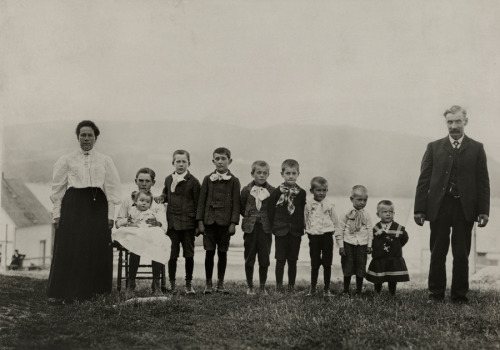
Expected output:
{"points": [[25, 225]]}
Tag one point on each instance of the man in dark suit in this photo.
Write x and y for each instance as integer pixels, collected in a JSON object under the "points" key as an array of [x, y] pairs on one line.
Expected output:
{"points": [[453, 191]]}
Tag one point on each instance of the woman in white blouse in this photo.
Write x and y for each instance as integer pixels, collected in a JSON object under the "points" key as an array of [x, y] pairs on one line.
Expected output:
{"points": [[85, 189]]}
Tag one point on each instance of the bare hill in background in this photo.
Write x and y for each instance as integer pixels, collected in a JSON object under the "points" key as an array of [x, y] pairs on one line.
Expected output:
{"points": [[387, 163]]}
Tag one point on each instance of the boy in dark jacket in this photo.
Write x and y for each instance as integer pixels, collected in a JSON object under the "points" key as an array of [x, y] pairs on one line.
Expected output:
{"points": [[181, 193], [255, 225], [217, 215], [286, 215]]}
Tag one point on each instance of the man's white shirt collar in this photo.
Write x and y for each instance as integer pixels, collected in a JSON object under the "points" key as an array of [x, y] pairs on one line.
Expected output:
{"points": [[452, 140]]}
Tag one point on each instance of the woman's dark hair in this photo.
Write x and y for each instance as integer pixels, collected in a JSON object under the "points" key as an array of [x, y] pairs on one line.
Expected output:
{"points": [[88, 123]]}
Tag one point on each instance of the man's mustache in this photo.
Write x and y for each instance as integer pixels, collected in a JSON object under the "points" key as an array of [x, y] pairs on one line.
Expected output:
{"points": [[454, 130]]}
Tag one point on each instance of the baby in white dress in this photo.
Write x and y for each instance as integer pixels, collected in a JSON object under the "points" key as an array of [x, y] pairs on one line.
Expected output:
{"points": [[137, 236]]}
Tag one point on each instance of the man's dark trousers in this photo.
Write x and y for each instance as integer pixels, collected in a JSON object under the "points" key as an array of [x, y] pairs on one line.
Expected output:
{"points": [[450, 215]]}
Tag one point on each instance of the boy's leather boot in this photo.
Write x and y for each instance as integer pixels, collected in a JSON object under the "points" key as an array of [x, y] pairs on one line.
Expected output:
{"points": [[171, 288], [312, 291], [220, 287], [208, 287], [189, 288], [250, 290], [131, 285], [156, 286]]}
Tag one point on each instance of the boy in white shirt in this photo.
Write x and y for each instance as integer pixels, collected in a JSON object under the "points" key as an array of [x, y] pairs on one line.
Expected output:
{"points": [[320, 223]]}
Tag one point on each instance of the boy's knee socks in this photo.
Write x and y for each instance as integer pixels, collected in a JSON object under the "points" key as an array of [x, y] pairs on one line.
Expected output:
{"points": [[209, 263], [359, 284], [314, 276], [221, 265], [133, 265], [263, 274], [280, 270], [347, 283], [292, 272], [249, 275], [327, 274], [392, 287], [157, 267], [189, 268], [172, 269]]}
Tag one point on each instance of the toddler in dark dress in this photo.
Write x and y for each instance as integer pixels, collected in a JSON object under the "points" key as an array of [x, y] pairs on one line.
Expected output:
{"points": [[389, 237]]}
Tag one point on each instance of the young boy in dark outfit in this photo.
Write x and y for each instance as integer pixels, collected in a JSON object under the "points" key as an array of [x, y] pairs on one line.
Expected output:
{"points": [[217, 215], [181, 193], [255, 224], [286, 215]]}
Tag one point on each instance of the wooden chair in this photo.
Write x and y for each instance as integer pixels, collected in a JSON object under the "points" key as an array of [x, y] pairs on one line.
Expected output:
{"points": [[143, 273]]}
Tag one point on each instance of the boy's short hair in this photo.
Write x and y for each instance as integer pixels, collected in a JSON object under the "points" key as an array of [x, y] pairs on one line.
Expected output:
{"points": [[181, 152], [222, 150], [146, 171], [454, 110], [384, 202], [358, 188], [318, 180], [144, 192], [90, 124], [260, 163], [289, 163]]}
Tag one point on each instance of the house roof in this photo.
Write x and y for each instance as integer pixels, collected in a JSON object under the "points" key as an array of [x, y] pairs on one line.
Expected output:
{"points": [[21, 204]]}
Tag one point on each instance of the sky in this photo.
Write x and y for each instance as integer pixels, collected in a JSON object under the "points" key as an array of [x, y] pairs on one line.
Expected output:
{"points": [[384, 65]]}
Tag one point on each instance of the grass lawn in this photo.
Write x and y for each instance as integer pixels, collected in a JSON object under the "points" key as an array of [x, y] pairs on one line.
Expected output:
{"points": [[277, 321]]}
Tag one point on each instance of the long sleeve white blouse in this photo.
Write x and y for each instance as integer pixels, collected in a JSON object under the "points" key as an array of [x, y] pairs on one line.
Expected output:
{"points": [[85, 169]]}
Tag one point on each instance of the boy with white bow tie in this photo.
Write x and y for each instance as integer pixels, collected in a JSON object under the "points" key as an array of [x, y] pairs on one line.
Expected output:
{"points": [[321, 222], [181, 193], [255, 224], [217, 215]]}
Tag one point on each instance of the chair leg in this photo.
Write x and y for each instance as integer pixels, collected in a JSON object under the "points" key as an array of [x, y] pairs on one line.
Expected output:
{"points": [[126, 268], [120, 266]]}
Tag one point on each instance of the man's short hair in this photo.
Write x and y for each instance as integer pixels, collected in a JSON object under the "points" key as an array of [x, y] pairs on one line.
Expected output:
{"points": [[260, 163], [454, 110], [222, 150], [181, 152], [318, 180], [289, 163], [357, 188], [384, 202], [146, 171]]}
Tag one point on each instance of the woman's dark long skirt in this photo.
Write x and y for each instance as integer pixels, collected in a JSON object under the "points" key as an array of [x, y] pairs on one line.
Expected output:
{"points": [[82, 262]]}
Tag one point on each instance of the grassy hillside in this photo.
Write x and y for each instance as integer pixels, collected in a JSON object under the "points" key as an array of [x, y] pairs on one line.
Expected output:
{"points": [[388, 163]]}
